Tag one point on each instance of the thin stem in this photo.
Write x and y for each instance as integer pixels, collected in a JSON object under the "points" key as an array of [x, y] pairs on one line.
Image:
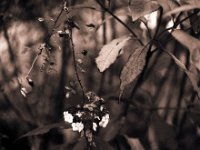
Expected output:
{"points": [[42, 46], [120, 21], [75, 66]]}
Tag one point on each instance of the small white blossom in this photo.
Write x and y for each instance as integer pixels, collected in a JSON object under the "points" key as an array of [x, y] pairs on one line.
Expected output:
{"points": [[78, 126], [104, 121], [68, 117], [67, 95], [79, 114], [94, 126]]}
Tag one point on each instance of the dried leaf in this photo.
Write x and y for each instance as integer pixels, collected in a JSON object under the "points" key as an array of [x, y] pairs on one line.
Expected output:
{"points": [[191, 43], [110, 52], [140, 8], [133, 67]]}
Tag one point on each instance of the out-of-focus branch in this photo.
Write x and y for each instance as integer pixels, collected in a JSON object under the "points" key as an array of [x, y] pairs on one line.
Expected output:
{"points": [[183, 67], [42, 46], [120, 21], [75, 65]]}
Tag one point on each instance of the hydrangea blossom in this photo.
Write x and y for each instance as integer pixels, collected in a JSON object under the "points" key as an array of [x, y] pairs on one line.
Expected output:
{"points": [[104, 121], [78, 126], [68, 117]]}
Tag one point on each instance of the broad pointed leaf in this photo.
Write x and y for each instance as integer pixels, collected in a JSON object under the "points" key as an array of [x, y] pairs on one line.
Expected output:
{"points": [[133, 67], [110, 52], [44, 129]]}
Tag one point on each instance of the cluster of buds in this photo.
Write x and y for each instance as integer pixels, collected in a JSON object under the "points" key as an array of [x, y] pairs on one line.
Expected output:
{"points": [[89, 117]]}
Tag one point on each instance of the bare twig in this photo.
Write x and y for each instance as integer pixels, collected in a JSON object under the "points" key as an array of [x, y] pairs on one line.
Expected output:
{"points": [[75, 65], [42, 46]]}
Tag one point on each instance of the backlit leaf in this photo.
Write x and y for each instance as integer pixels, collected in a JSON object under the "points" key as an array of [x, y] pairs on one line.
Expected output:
{"points": [[133, 67], [110, 52], [139, 8]]}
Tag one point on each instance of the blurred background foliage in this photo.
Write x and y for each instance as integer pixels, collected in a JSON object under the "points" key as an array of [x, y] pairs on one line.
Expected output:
{"points": [[158, 111]]}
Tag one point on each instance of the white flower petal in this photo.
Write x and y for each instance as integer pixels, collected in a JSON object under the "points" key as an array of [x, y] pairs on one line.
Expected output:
{"points": [[78, 126], [68, 117], [79, 114], [104, 121]]}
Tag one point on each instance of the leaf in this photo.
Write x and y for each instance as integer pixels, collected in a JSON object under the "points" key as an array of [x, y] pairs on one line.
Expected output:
{"points": [[44, 129], [133, 67], [161, 134], [168, 5], [191, 43], [110, 52], [139, 8]]}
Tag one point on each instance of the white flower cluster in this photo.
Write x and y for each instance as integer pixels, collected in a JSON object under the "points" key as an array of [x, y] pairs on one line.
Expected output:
{"points": [[79, 126], [76, 126]]}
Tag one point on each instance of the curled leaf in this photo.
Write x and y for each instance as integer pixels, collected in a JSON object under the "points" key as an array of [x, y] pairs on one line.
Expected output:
{"points": [[110, 52]]}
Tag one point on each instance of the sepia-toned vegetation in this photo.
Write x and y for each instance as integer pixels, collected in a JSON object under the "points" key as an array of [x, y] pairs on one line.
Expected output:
{"points": [[100, 74]]}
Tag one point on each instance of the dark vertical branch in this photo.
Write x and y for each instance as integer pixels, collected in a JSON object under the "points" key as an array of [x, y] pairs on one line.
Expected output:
{"points": [[61, 85], [75, 65], [104, 39]]}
